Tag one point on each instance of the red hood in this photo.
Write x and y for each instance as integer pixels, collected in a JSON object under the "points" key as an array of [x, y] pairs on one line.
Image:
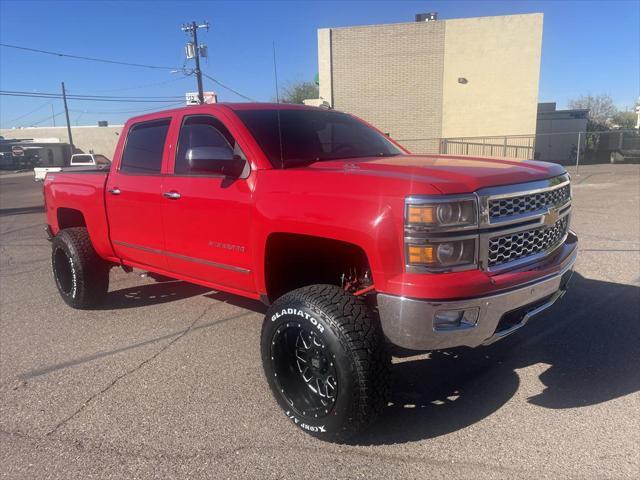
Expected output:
{"points": [[449, 174]]}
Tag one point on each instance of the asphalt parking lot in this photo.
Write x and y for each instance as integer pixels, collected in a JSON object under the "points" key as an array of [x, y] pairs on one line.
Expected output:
{"points": [[165, 381]]}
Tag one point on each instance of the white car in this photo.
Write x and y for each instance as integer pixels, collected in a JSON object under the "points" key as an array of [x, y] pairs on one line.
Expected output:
{"points": [[77, 160]]}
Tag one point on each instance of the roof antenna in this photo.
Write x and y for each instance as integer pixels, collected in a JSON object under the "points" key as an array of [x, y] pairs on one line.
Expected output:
{"points": [[275, 73]]}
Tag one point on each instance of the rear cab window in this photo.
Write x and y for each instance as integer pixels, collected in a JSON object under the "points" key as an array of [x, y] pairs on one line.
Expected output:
{"points": [[144, 147]]}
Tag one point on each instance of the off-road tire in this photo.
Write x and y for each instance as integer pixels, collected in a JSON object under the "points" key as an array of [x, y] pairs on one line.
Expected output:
{"points": [[82, 277], [351, 333]]}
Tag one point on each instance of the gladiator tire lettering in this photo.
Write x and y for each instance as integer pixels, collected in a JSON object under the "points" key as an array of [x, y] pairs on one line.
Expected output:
{"points": [[309, 428], [300, 313], [351, 343]]}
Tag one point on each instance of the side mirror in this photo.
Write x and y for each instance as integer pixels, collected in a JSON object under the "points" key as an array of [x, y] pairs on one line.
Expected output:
{"points": [[215, 160]]}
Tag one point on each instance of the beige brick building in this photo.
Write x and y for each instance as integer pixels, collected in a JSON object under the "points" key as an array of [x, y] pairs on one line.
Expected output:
{"points": [[471, 77]]}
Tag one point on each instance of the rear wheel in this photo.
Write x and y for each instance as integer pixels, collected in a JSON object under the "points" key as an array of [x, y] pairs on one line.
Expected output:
{"points": [[325, 361], [82, 277]]}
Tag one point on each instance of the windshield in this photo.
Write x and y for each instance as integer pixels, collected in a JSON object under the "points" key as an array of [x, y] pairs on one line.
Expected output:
{"points": [[309, 136]]}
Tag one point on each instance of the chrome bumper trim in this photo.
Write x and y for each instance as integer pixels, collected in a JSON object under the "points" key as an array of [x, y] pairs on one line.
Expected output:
{"points": [[408, 323], [528, 316]]}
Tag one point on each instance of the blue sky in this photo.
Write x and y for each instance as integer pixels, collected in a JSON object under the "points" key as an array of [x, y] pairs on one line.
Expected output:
{"points": [[588, 47]]}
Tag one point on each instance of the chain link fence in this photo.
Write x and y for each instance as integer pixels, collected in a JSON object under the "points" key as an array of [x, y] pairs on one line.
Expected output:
{"points": [[570, 148]]}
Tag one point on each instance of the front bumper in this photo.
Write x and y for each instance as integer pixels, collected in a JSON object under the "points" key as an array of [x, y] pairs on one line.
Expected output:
{"points": [[409, 323]]}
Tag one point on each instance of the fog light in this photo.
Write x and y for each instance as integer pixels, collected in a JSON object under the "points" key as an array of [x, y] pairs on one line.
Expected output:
{"points": [[455, 319]]}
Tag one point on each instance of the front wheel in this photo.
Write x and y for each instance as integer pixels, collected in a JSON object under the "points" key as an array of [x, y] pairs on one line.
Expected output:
{"points": [[324, 358]]}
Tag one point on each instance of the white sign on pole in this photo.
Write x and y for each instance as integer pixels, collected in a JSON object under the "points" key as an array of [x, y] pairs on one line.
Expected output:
{"points": [[209, 97]]}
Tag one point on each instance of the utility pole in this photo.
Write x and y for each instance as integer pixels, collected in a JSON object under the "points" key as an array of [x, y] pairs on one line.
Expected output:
{"points": [[66, 112], [195, 51], [53, 116]]}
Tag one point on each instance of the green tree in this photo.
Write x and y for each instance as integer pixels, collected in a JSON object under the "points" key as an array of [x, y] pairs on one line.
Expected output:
{"points": [[299, 91], [624, 120], [601, 110]]}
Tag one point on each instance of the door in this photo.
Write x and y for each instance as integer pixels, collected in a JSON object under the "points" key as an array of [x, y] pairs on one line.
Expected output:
{"points": [[207, 215], [134, 196]]}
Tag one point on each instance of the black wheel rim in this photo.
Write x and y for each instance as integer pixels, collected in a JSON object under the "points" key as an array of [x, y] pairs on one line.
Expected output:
{"points": [[63, 271], [304, 370]]}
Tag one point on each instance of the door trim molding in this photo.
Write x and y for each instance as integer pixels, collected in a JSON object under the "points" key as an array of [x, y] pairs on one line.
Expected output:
{"points": [[223, 266]]}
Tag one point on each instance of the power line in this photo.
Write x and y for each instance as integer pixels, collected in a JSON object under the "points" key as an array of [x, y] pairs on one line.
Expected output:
{"points": [[95, 59], [83, 95], [88, 99], [91, 59], [29, 113], [139, 86], [114, 112], [228, 88], [33, 124], [115, 96]]}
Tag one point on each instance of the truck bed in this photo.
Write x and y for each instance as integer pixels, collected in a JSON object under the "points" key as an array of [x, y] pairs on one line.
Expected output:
{"points": [[40, 172], [79, 189]]}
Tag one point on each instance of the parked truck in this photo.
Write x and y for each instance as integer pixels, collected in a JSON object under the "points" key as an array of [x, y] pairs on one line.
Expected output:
{"points": [[355, 245], [77, 160]]}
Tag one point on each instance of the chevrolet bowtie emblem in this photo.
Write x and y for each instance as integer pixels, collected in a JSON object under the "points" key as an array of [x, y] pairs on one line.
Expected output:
{"points": [[552, 216]]}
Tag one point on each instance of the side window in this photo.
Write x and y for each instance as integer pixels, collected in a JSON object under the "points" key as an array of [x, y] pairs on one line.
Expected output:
{"points": [[143, 150], [202, 131]]}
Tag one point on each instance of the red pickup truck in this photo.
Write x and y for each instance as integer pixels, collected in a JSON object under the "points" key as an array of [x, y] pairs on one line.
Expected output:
{"points": [[353, 243]]}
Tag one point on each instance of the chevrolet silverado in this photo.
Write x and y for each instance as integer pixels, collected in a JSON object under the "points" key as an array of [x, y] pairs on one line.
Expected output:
{"points": [[354, 244]]}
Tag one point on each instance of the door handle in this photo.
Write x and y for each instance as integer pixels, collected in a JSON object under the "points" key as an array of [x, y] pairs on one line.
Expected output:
{"points": [[171, 195], [114, 191]]}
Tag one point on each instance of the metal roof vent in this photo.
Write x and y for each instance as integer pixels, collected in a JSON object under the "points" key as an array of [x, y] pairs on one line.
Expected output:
{"points": [[427, 17]]}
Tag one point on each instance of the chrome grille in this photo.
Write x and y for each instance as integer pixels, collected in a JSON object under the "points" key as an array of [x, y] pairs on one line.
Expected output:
{"points": [[515, 246], [506, 207]]}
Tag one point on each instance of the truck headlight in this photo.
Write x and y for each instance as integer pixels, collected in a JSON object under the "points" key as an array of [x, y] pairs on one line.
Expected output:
{"points": [[440, 233], [442, 255], [442, 214]]}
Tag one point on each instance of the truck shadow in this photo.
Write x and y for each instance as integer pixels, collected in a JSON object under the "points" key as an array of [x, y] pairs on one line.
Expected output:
{"points": [[587, 347], [150, 294], [166, 290]]}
